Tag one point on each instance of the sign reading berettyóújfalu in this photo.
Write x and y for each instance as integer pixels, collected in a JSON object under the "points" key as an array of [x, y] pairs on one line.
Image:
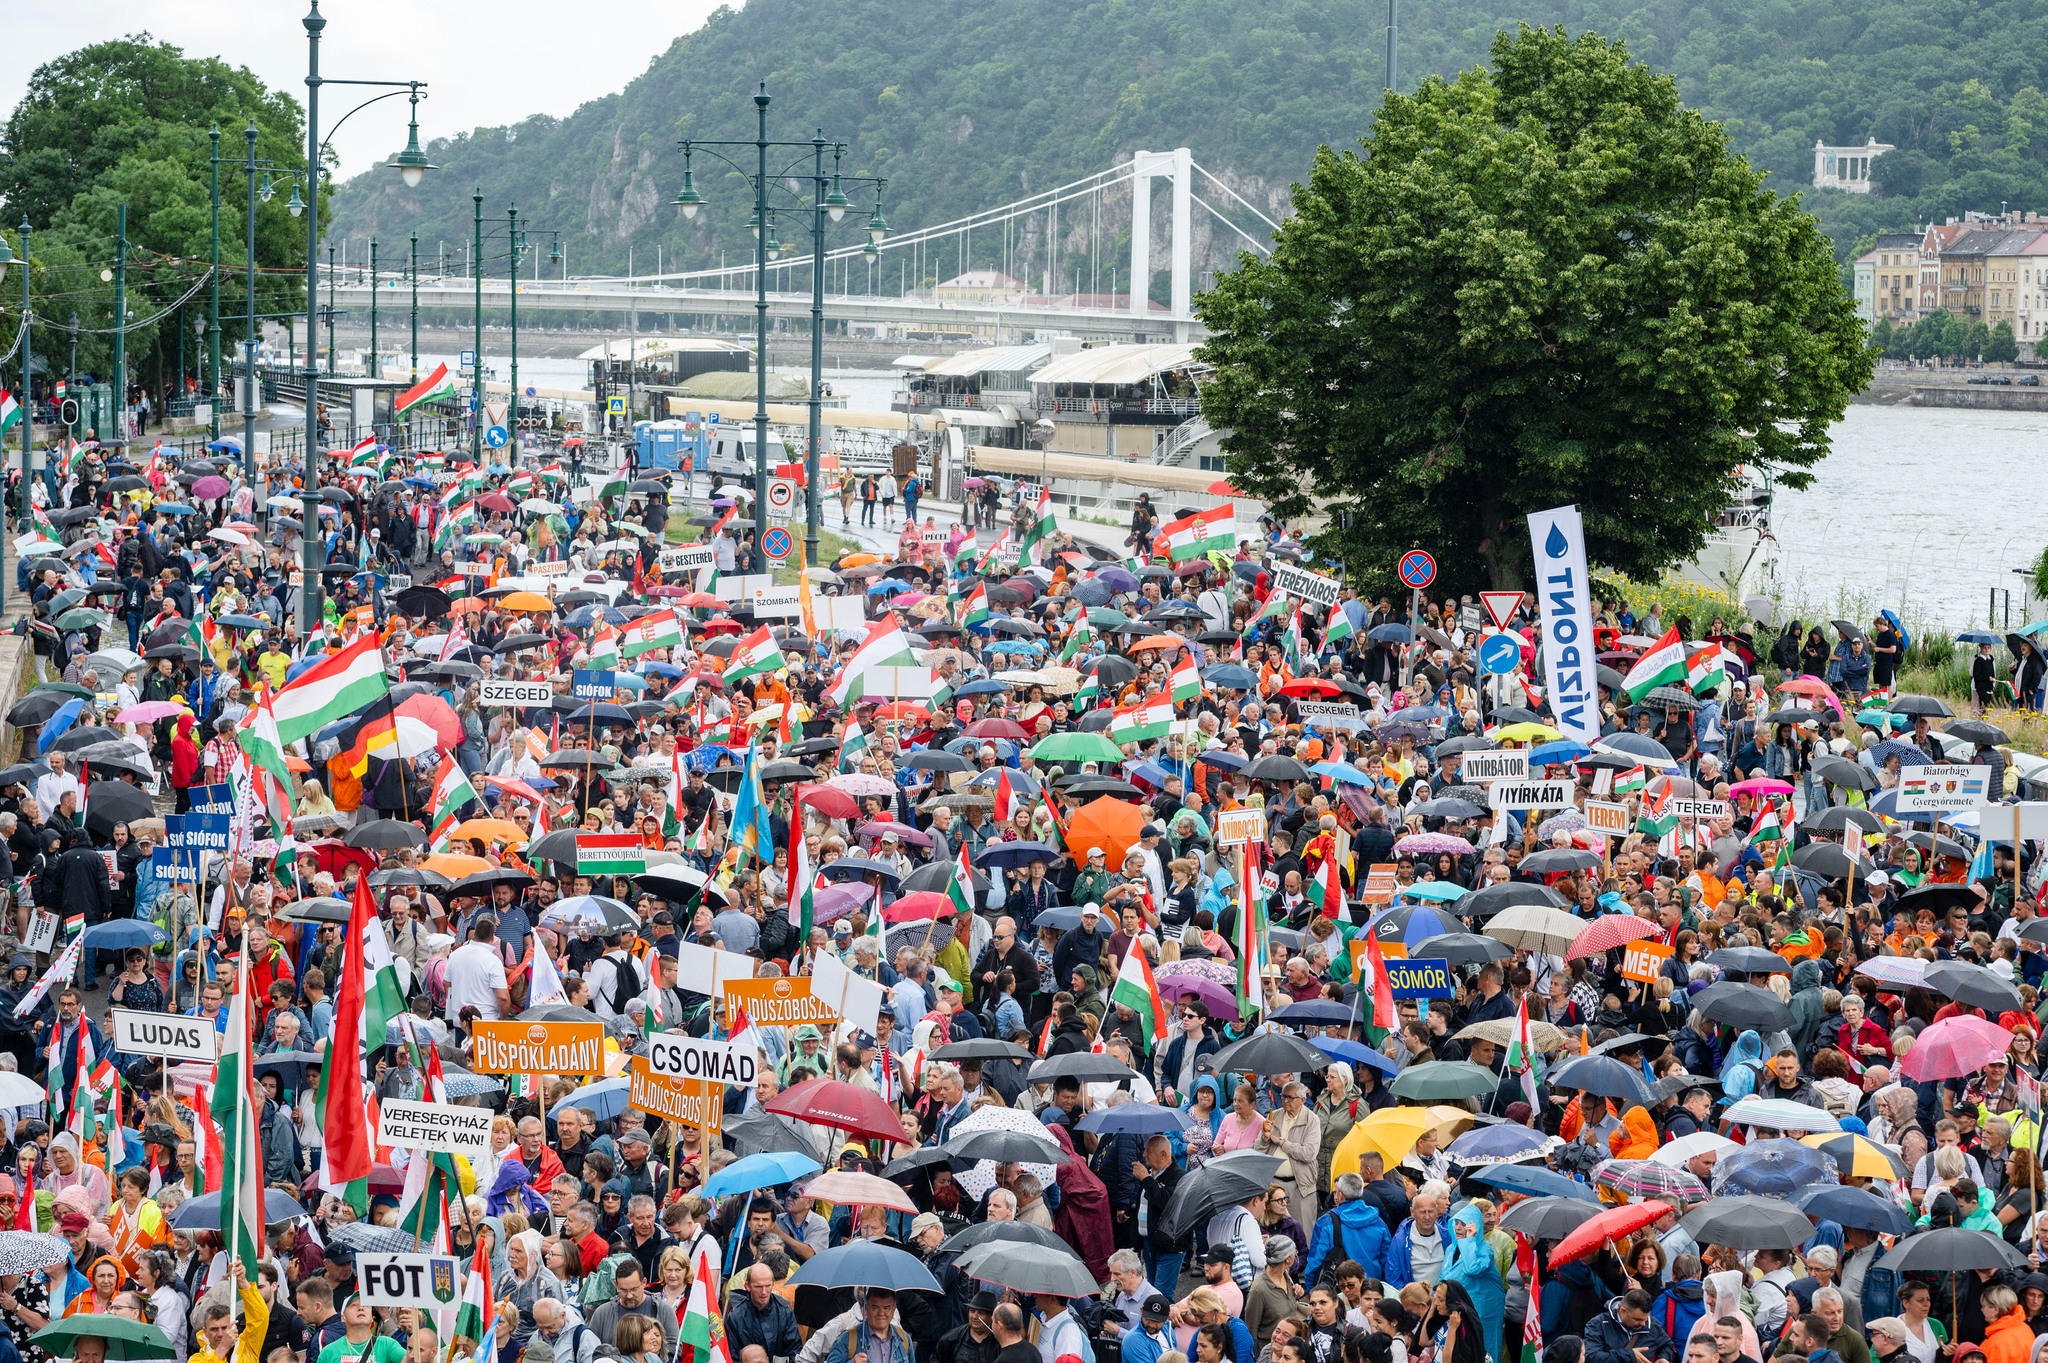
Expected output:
{"points": [[426, 1281], [174, 1038], [671, 1055], [692, 1102], [1644, 960], [539, 1047], [779, 1002], [446, 1127], [610, 854]]}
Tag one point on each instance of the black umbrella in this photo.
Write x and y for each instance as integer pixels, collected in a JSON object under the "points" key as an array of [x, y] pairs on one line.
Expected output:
{"points": [[1852, 1207], [1791, 715], [1744, 1007], [1552, 859], [1942, 898], [1089, 1068], [73, 740], [1271, 1052], [325, 909], [1448, 808], [1222, 1182], [981, 1047], [385, 835], [601, 712], [787, 771], [1951, 1249], [1828, 859], [1605, 1076], [177, 653], [1973, 985], [1548, 1218], [570, 759], [1840, 771], [112, 802], [985, 1232], [1977, 731], [1931, 707], [1460, 949], [1003, 1146], [1669, 698], [937, 876], [1488, 900], [430, 603], [36, 707], [1840, 819], [407, 875], [1030, 1268], [1274, 767], [1112, 671], [938, 759], [1743, 1221], [483, 882], [1750, 961], [759, 1132]]}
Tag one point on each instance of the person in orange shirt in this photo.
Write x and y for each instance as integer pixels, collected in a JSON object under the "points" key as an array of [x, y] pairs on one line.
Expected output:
{"points": [[136, 1223]]}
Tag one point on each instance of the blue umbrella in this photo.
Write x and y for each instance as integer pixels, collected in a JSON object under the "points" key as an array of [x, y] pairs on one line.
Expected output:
{"points": [[1231, 677], [1118, 580], [1219, 757], [864, 1263], [1887, 804], [1015, 856], [1535, 1181], [607, 1098], [471, 1085], [632, 681], [1389, 633], [1357, 1052], [888, 586], [987, 686], [203, 1212], [231, 443], [1433, 891], [654, 669], [54, 727], [1134, 1119], [1979, 636], [1315, 1013], [706, 757], [121, 933], [176, 509], [1342, 772], [1069, 916], [1773, 1168], [1562, 750], [1092, 593], [1504, 1142], [1005, 749], [1908, 755], [854, 868], [1417, 714], [1014, 646], [1411, 924], [761, 1171], [1854, 1207]]}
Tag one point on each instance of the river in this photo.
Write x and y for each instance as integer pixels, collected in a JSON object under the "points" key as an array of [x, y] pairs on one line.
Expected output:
{"points": [[1921, 509]]}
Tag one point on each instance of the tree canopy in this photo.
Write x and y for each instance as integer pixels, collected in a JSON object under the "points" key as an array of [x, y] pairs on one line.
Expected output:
{"points": [[127, 122], [1541, 283]]}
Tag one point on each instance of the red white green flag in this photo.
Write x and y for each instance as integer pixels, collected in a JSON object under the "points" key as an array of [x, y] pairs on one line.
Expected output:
{"points": [[1137, 990]]}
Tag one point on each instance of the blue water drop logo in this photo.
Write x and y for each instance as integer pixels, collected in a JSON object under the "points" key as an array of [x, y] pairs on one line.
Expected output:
{"points": [[1555, 543]]}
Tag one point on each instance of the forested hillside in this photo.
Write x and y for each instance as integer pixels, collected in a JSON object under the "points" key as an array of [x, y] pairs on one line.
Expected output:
{"points": [[967, 105]]}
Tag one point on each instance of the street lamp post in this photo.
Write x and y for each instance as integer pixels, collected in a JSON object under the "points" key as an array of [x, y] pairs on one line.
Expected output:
{"points": [[375, 371], [413, 273], [213, 308], [512, 293], [28, 407], [249, 166], [828, 202], [476, 368], [248, 393], [412, 167]]}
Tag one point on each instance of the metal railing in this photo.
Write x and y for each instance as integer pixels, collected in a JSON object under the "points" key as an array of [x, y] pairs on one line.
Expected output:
{"points": [[1181, 439]]}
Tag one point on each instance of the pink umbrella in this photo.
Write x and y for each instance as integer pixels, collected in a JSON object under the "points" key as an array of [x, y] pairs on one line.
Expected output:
{"points": [[1609, 931], [1761, 785], [149, 711], [860, 1190], [210, 487], [1955, 1047], [882, 828], [1222, 999]]}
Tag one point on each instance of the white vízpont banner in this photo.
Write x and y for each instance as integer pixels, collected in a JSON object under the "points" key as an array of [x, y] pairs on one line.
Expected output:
{"points": [[1558, 538]]}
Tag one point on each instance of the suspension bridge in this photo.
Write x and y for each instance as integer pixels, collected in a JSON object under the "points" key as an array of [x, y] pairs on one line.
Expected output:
{"points": [[1044, 263]]}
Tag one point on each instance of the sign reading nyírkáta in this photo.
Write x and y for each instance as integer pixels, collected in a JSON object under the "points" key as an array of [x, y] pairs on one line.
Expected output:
{"points": [[610, 854], [672, 1056], [504, 691], [174, 1038], [1304, 584], [779, 1002], [1528, 794], [446, 1127], [539, 1047], [1506, 764], [421, 1280], [693, 1102]]}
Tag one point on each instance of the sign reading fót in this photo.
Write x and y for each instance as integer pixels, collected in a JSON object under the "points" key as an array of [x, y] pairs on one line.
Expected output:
{"points": [[505, 691], [426, 1281], [673, 1056], [446, 1127], [539, 1047], [1506, 764], [1530, 794], [174, 1038]]}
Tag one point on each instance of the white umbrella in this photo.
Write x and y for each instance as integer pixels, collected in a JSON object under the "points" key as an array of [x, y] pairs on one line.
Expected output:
{"points": [[228, 536], [539, 506], [1676, 1153], [982, 1177], [18, 1090], [859, 783], [1907, 972], [1780, 1114], [1534, 927]]}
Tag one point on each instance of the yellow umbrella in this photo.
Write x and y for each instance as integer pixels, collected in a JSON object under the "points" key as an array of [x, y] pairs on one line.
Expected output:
{"points": [[491, 830], [526, 601], [1393, 1131], [455, 865], [1857, 1156], [1526, 733]]}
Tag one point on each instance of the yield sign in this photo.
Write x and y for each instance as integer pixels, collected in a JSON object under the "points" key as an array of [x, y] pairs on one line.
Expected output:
{"points": [[1501, 606]]}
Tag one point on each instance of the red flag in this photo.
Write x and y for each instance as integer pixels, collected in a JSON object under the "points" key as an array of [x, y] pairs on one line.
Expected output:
{"points": [[1383, 1014], [347, 1129]]}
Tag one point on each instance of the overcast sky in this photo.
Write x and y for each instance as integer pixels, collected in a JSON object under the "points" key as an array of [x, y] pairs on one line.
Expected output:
{"points": [[487, 65]]}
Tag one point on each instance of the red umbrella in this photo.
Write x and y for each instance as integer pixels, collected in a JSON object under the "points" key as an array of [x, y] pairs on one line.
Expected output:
{"points": [[830, 801], [917, 908], [834, 1103], [998, 728], [1311, 686], [1605, 933], [497, 501], [1222, 488], [1610, 1225]]}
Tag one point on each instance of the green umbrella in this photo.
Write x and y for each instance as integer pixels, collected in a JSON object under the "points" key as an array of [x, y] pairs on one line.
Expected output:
{"points": [[68, 688], [82, 619], [1443, 1081], [1102, 617], [125, 1338], [1075, 747]]}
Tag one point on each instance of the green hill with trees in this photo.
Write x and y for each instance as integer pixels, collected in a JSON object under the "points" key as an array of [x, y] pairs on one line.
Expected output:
{"points": [[967, 106]]}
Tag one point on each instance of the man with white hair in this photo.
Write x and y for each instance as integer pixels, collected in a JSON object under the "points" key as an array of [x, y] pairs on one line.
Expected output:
{"points": [[1417, 1252]]}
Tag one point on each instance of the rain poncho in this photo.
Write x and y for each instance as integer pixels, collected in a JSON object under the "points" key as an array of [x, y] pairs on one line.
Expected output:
{"points": [[89, 1177], [1808, 1008], [1083, 1218], [512, 1191], [1469, 1262], [1637, 1138], [1745, 1061]]}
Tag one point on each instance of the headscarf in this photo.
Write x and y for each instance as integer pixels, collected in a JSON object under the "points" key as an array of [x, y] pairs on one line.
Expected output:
{"points": [[85, 1303], [1637, 1138], [1083, 1219], [1470, 1346], [89, 1177], [529, 1240]]}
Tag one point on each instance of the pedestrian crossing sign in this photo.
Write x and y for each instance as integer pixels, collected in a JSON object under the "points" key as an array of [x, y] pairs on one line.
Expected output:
{"points": [[615, 406]]}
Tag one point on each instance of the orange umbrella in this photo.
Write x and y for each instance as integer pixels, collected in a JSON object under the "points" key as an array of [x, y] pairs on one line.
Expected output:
{"points": [[526, 601], [455, 865], [1105, 822], [859, 560], [1222, 488], [468, 605], [1161, 641], [491, 830]]}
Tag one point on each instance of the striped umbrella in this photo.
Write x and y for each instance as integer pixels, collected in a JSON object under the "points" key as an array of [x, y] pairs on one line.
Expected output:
{"points": [[1609, 931], [1638, 1179], [1858, 1156]]}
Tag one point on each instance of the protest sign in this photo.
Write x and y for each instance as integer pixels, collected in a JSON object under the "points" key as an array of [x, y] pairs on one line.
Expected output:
{"points": [[539, 1047]]}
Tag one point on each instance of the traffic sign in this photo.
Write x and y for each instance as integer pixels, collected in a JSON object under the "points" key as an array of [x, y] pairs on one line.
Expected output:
{"points": [[615, 406], [495, 437], [781, 496], [531, 391], [467, 359], [1500, 654], [777, 544], [1417, 569], [1501, 606]]}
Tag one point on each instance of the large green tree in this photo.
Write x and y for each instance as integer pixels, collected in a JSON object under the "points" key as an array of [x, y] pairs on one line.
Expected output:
{"points": [[126, 122], [1542, 283]]}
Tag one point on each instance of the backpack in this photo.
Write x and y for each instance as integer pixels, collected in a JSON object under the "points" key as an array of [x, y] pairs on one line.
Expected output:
{"points": [[1088, 1313], [628, 971], [1327, 1277]]}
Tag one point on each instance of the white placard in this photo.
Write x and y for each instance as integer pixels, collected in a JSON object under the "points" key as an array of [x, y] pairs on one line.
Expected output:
{"points": [[474, 569], [686, 557], [675, 1056], [1305, 584], [742, 586], [1329, 714], [1602, 816], [445, 1127], [1942, 788], [704, 970], [777, 603], [1996, 821], [1530, 794], [42, 932], [1235, 827], [1704, 810], [553, 567], [503, 691], [858, 999], [427, 1281], [1557, 538], [1507, 764], [898, 683], [174, 1038]]}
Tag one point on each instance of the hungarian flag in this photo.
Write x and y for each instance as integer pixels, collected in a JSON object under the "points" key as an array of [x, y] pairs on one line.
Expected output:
{"points": [[435, 385], [974, 610], [654, 1017], [1656, 817], [364, 453], [1146, 719], [1184, 683], [852, 746], [1663, 665], [1337, 626], [1383, 1016], [1000, 549], [660, 629], [1326, 890], [1769, 827], [477, 1317], [10, 411], [802, 886], [206, 1149], [1630, 781], [1043, 526], [348, 1139], [235, 1106], [1705, 671], [886, 645], [604, 648], [754, 656], [1078, 639], [1532, 1321], [703, 1324], [452, 794], [1137, 990], [960, 891], [1523, 1060], [340, 684], [1194, 536], [1005, 798]]}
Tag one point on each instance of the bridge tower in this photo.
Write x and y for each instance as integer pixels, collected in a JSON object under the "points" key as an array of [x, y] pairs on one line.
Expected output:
{"points": [[1178, 166]]}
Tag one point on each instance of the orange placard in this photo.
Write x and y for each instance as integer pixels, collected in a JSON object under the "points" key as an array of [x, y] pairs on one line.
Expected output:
{"points": [[1379, 883], [779, 1002], [692, 1102], [1644, 960], [538, 1048]]}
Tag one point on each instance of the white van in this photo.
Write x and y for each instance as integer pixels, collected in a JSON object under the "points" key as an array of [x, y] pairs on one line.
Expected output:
{"points": [[732, 450]]}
